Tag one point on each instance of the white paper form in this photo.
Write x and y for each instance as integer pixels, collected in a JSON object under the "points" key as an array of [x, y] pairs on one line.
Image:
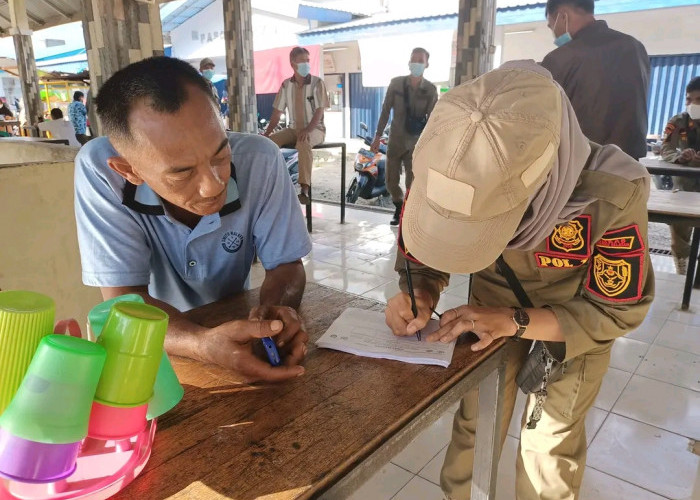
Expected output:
{"points": [[365, 333]]}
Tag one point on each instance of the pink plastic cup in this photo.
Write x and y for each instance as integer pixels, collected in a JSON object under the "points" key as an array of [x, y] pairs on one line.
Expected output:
{"points": [[32, 462], [116, 422]]}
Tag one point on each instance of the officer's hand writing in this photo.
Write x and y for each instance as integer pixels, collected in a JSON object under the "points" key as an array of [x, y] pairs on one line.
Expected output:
{"points": [[686, 155], [291, 341], [399, 316], [488, 323], [374, 147], [232, 344]]}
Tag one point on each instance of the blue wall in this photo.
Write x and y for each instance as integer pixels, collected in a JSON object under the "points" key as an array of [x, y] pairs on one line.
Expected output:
{"points": [[669, 77], [365, 105]]}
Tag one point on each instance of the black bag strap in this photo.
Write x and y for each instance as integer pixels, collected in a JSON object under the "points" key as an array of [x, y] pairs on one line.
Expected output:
{"points": [[406, 98], [514, 282]]}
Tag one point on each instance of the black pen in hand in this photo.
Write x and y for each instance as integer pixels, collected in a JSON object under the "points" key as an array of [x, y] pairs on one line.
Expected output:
{"points": [[411, 293]]}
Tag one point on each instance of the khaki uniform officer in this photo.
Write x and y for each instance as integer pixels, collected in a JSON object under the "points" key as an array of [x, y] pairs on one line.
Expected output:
{"points": [[503, 168], [682, 145]]}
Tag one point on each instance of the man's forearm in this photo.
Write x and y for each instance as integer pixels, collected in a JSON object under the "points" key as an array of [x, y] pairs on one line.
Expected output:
{"points": [[284, 285], [183, 335], [316, 119], [274, 121]]}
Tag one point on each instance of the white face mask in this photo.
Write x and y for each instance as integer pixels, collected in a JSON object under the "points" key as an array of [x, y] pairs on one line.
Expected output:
{"points": [[694, 111]]}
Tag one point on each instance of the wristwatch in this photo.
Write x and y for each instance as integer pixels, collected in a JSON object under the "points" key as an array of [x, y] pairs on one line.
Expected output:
{"points": [[521, 320]]}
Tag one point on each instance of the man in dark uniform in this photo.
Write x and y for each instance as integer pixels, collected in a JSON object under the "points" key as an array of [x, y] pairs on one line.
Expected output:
{"points": [[682, 145], [413, 99], [604, 73]]}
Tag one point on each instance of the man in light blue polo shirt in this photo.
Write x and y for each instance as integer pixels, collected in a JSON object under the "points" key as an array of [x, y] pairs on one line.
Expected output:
{"points": [[170, 206]]}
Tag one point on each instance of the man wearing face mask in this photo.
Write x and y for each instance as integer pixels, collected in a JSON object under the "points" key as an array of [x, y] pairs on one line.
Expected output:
{"points": [[206, 68], [305, 98], [413, 98], [682, 145], [604, 73]]}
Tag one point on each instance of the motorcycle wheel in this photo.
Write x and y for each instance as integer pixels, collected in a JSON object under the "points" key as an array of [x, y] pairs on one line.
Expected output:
{"points": [[353, 192]]}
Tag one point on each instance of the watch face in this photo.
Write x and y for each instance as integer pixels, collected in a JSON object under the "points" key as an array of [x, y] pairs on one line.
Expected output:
{"points": [[521, 317]]}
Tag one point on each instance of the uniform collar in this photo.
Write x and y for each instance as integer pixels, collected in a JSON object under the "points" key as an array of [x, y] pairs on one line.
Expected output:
{"points": [[142, 199], [592, 29]]}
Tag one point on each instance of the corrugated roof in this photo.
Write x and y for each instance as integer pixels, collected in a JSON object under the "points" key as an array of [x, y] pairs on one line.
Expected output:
{"points": [[43, 13]]}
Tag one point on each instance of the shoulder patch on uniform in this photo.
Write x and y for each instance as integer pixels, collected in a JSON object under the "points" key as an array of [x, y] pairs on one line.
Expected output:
{"points": [[573, 238], [621, 241], [616, 279], [670, 127]]}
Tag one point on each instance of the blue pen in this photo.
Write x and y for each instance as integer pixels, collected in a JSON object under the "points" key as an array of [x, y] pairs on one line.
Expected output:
{"points": [[271, 350]]}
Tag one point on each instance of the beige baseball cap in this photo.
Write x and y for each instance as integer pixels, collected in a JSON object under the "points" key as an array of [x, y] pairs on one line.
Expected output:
{"points": [[486, 150]]}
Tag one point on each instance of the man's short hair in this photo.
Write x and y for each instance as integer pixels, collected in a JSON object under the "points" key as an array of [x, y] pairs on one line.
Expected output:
{"points": [[56, 114], [421, 50], [693, 85], [161, 82], [553, 5], [297, 51], [77, 95]]}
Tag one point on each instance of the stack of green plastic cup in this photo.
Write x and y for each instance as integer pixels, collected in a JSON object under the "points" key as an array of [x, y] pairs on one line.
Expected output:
{"points": [[133, 337], [98, 314], [25, 318]]}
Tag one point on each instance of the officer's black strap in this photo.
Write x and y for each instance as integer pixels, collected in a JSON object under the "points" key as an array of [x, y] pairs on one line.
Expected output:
{"points": [[514, 282]]}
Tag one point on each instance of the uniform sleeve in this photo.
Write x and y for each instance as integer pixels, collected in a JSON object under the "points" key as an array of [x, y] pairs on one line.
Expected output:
{"points": [[280, 103], [619, 288], [433, 100], [669, 148], [423, 277], [279, 231], [321, 95], [386, 109], [113, 247]]}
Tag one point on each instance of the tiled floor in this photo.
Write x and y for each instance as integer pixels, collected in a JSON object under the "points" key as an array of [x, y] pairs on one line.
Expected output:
{"points": [[643, 422]]}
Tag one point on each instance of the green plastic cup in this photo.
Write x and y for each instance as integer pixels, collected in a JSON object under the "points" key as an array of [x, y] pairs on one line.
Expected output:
{"points": [[53, 402], [167, 391], [25, 318], [133, 337], [98, 314]]}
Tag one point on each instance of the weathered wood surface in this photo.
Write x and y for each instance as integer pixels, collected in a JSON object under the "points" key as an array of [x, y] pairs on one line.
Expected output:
{"points": [[227, 439]]}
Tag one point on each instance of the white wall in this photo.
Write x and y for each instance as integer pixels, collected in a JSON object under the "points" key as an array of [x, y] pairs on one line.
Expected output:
{"points": [[203, 34], [662, 31]]}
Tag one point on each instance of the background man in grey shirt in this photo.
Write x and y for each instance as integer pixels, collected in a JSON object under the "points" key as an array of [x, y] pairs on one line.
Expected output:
{"points": [[604, 73]]}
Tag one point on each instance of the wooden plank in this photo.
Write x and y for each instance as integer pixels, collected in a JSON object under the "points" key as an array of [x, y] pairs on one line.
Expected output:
{"points": [[289, 440], [681, 203]]}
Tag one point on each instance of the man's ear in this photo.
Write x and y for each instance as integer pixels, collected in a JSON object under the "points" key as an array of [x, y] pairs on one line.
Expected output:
{"points": [[123, 168]]}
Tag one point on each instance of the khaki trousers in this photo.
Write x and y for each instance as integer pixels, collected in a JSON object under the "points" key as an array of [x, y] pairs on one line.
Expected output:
{"points": [[288, 138], [682, 232], [399, 152], [552, 457]]}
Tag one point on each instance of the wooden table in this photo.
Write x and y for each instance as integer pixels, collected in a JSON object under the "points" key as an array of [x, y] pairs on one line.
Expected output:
{"points": [[657, 166], [8, 125], [680, 206], [319, 436], [34, 139]]}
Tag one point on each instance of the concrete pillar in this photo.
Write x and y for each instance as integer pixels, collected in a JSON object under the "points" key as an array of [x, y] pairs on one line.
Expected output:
{"points": [[22, 37], [118, 33], [475, 31], [238, 35]]}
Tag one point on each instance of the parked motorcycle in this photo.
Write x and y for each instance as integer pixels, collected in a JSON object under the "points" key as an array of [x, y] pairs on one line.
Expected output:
{"points": [[370, 170]]}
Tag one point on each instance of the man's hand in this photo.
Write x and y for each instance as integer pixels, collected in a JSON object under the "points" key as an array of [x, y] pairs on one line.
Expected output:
{"points": [[696, 157], [292, 340], [374, 147], [233, 345], [399, 316], [686, 155], [488, 323], [303, 135]]}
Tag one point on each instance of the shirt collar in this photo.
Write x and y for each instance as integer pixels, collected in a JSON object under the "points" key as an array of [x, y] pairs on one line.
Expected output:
{"points": [[307, 79], [141, 198]]}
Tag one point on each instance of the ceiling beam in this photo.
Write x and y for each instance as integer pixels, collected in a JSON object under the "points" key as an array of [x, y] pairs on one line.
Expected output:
{"points": [[55, 8]]}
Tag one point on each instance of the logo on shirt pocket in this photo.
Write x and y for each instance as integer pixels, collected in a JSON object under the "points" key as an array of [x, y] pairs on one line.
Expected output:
{"points": [[232, 241]]}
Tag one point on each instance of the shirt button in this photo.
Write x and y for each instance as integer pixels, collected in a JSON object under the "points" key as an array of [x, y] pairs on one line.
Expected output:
{"points": [[192, 263]]}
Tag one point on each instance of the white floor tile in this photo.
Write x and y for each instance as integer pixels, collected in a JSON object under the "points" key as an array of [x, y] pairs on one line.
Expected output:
{"points": [[649, 457], [383, 292], [384, 484], [426, 445], [419, 489], [660, 404], [627, 354], [671, 366], [680, 336], [431, 471], [317, 270], [599, 486], [448, 301], [613, 384], [689, 317], [648, 330], [346, 258], [459, 290], [383, 266], [352, 281], [661, 307], [456, 280], [594, 420], [373, 247]]}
